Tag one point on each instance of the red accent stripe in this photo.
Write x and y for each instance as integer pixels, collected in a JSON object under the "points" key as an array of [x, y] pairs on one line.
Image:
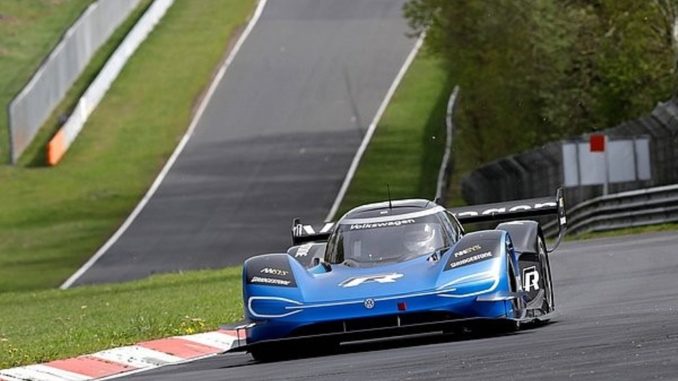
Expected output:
{"points": [[180, 347], [241, 334], [90, 366]]}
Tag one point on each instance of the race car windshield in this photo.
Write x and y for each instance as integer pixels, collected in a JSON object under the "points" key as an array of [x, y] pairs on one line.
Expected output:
{"points": [[386, 241]]}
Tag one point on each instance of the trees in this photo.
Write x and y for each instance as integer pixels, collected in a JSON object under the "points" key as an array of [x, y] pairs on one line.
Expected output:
{"points": [[537, 70]]}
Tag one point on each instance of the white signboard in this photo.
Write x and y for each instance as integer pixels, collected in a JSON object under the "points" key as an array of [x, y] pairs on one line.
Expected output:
{"points": [[622, 160]]}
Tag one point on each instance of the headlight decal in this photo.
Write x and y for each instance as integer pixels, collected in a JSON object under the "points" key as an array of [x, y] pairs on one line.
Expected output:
{"points": [[269, 307]]}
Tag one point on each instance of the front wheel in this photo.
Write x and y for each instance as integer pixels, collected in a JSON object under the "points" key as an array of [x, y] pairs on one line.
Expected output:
{"points": [[270, 352], [265, 353]]}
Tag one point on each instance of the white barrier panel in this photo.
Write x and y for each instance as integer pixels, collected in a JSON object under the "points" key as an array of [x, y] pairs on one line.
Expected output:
{"points": [[622, 161], [98, 88], [29, 110]]}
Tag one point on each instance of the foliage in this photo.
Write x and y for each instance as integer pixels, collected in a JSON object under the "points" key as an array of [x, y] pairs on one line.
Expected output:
{"points": [[534, 71]]}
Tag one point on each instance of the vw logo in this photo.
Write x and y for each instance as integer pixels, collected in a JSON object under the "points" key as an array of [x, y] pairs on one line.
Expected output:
{"points": [[369, 303]]}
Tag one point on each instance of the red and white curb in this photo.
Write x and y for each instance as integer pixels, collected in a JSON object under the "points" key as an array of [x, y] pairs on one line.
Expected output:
{"points": [[115, 362]]}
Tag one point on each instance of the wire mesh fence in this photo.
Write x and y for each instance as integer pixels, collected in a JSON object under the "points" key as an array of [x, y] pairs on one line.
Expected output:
{"points": [[538, 172]]}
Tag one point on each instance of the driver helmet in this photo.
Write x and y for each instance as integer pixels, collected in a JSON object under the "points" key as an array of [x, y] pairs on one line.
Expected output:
{"points": [[421, 238]]}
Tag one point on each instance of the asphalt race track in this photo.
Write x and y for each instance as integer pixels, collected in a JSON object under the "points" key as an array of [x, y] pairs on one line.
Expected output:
{"points": [[275, 141], [618, 303]]}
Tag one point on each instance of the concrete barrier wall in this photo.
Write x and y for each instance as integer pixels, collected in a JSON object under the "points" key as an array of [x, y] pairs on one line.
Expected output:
{"points": [[29, 110], [60, 143], [539, 172]]}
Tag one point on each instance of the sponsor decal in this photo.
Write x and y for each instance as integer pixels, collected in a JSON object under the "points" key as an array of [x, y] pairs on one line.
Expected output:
{"points": [[516, 208], [369, 303], [381, 224], [381, 278], [273, 271], [468, 250], [530, 278], [472, 259], [279, 282]]}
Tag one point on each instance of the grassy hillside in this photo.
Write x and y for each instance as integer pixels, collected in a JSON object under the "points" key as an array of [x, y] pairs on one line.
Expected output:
{"points": [[53, 219], [407, 146]]}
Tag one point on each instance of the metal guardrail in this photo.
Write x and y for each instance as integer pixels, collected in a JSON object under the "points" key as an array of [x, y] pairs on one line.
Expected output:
{"points": [[446, 164], [537, 172], [622, 210]]}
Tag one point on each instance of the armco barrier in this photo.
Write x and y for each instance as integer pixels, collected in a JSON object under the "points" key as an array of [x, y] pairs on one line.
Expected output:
{"points": [[29, 110], [538, 172], [622, 210], [58, 146]]}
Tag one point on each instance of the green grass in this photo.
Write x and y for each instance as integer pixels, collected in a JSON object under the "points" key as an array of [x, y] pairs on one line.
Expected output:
{"points": [[28, 31], [51, 324], [407, 147], [53, 219]]}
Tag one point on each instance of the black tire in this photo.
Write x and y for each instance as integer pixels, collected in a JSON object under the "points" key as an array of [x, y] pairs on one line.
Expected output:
{"points": [[303, 348], [266, 353]]}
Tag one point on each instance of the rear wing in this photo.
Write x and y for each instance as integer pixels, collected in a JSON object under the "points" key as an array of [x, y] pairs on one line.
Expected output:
{"points": [[517, 209], [307, 233]]}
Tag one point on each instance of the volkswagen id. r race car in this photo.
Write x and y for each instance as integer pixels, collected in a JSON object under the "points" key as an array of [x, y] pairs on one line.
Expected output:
{"points": [[401, 267]]}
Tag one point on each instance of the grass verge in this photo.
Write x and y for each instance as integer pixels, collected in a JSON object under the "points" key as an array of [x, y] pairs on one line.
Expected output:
{"points": [[53, 219], [28, 31], [407, 147], [50, 324]]}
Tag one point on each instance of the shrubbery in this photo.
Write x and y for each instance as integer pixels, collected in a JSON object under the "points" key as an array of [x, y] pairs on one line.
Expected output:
{"points": [[535, 71]]}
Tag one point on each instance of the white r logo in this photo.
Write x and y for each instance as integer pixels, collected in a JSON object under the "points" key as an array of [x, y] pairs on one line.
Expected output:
{"points": [[530, 278], [381, 278]]}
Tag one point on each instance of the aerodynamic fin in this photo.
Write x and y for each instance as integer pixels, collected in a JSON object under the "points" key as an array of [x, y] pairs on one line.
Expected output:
{"points": [[517, 209], [307, 233]]}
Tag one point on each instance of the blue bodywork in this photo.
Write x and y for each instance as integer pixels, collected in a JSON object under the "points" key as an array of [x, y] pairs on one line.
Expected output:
{"points": [[481, 288]]}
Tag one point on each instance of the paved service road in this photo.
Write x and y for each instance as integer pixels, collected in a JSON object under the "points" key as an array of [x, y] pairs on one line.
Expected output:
{"points": [[618, 303], [275, 141]]}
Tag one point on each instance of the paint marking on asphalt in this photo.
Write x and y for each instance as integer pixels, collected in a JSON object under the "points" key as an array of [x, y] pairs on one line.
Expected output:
{"points": [[43, 373], [90, 366], [218, 340], [370, 131], [137, 357], [118, 362], [179, 347], [177, 151]]}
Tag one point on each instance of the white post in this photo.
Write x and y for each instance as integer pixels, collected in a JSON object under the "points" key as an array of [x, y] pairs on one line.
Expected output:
{"points": [[607, 168]]}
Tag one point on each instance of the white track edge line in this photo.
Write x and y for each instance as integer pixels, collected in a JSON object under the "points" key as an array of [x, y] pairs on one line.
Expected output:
{"points": [[177, 151], [373, 126]]}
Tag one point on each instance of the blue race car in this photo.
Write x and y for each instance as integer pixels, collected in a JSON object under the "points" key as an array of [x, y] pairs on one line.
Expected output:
{"points": [[401, 267]]}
